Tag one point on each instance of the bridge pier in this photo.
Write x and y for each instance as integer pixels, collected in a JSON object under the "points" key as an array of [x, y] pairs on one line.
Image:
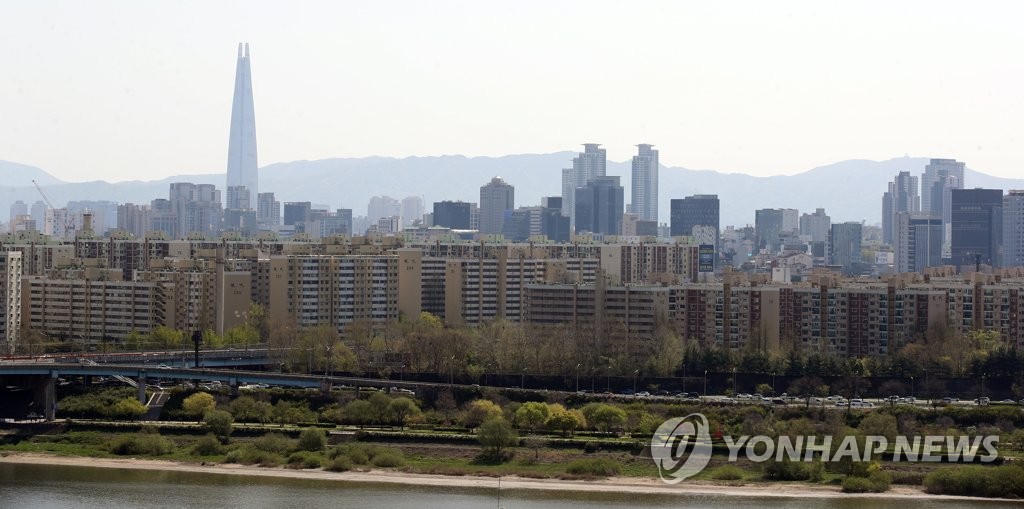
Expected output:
{"points": [[142, 388], [44, 395]]}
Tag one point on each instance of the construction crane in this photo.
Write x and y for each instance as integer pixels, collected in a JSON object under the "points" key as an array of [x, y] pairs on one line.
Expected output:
{"points": [[69, 221]]}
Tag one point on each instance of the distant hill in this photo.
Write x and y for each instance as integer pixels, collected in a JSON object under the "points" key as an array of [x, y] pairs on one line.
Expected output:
{"points": [[848, 190]]}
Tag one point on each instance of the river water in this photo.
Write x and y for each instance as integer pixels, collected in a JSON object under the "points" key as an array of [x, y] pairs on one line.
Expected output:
{"points": [[44, 486]]}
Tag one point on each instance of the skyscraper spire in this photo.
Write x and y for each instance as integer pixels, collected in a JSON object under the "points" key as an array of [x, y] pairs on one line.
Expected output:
{"points": [[243, 176]]}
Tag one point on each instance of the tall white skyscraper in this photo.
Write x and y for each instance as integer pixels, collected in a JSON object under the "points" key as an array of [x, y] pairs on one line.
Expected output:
{"points": [[242, 168], [412, 210], [939, 171], [588, 165], [645, 183]]}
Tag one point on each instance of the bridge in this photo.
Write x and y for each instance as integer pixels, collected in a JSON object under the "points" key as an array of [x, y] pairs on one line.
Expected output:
{"points": [[220, 357], [42, 377]]}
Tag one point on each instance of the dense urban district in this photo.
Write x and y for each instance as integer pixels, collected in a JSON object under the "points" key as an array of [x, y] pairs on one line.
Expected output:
{"points": [[541, 341]]}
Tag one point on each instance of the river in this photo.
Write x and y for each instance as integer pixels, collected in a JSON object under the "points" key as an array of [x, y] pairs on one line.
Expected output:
{"points": [[46, 486]]}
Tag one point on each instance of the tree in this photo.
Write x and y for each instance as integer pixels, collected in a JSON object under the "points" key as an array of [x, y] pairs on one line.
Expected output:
{"points": [[358, 411], [219, 423], [129, 408], [401, 409], [495, 436], [764, 389], [312, 439], [566, 421], [247, 409], [379, 407], [532, 415], [293, 412], [166, 337], [198, 404], [604, 417], [480, 411]]}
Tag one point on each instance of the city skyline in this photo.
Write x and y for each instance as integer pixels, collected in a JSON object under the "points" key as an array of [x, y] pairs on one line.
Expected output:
{"points": [[755, 106]]}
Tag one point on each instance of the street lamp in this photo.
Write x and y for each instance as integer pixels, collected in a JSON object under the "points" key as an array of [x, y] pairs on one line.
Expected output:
{"points": [[635, 373], [578, 376], [451, 371], [522, 379], [911, 387], [705, 384]]}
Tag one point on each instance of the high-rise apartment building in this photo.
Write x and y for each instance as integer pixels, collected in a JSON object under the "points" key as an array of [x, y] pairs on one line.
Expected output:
{"points": [[1013, 229], [133, 219], [644, 190], [902, 196], [10, 300], [242, 168], [599, 206], [196, 209], [589, 164], [845, 245], [39, 214], [412, 210], [497, 198], [382, 206], [18, 208], [976, 218]]}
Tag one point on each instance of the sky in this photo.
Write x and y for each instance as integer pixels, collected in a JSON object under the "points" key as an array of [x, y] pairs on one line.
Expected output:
{"points": [[124, 90]]}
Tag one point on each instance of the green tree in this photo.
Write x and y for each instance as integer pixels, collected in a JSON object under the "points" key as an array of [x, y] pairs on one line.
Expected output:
{"points": [[495, 437], [167, 338], [479, 411], [564, 420], [532, 415], [219, 423], [312, 439], [359, 412], [401, 409], [128, 408], [380, 406], [198, 404], [247, 409], [604, 417]]}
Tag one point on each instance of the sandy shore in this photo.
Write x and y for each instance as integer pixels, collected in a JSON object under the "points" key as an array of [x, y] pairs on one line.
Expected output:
{"points": [[627, 485]]}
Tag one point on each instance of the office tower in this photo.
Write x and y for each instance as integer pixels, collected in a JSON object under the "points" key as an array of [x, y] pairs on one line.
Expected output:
{"points": [[554, 225], [790, 221], [412, 210], [18, 208], [162, 218], [518, 223], [589, 164], [975, 218], [644, 190], [344, 221], [938, 171], [696, 210], [496, 199], [240, 198], [268, 211], [1013, 229], [599, 206], [902, 196], [452, 214], [296, 212], [917, 241], [382, 206], [816, 225], [768, 228], [845, 245], [242, 169]]}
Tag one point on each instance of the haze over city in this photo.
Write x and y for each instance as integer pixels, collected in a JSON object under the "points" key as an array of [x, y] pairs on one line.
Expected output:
{"points": [[120, 90]]}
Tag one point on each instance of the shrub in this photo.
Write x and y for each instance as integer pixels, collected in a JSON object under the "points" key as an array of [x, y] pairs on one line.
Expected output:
{"points": [[496, 436], [787, 470], [250, 455], [877, 481], [389, 458], [602, 467], [208, 445], [304, 459], [312, 439], [273, 443], [198, 404], [218, 422], [727, 473], [338, 464], [1005, 481], [591, 447], [141, 444]]}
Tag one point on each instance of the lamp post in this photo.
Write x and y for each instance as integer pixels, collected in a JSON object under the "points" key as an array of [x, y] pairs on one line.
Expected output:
{"points": [[774, 392], [578, 376], [451, 371], [522, 379], [705, 384], [636, 372], [911, 387]]}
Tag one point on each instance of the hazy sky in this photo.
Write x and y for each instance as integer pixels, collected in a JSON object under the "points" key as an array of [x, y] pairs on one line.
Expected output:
{"points": [[142, 89]]}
